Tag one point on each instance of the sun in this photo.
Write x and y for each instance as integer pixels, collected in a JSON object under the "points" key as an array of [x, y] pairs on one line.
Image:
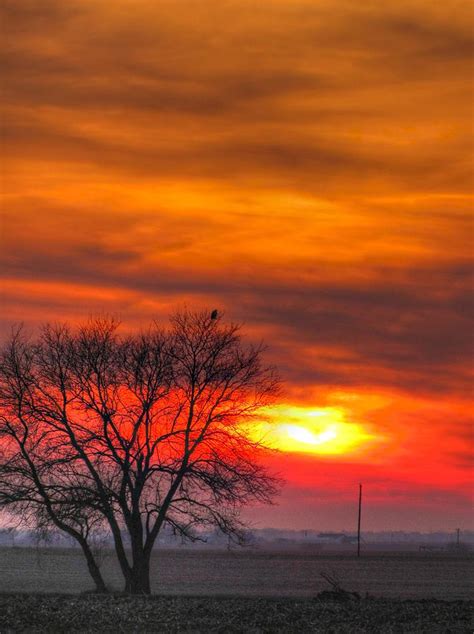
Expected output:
{"points": [[323, 431], [301, 434]]}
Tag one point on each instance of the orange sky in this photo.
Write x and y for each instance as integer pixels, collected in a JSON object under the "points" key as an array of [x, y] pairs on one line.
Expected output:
{"points": [[303, 165]]}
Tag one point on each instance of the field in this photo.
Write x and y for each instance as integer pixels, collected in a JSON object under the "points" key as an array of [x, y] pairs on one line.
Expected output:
{"points": [[244, 591], [250, 573]]}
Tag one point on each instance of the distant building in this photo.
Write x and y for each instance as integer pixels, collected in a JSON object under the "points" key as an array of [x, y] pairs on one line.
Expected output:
{"points": [[338, 538]]}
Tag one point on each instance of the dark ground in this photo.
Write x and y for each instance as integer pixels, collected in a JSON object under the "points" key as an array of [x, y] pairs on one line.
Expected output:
{"points": [[92, 613]]}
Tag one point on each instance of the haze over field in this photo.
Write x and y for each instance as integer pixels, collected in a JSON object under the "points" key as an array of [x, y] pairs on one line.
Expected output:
{"points": [[302, 165]]}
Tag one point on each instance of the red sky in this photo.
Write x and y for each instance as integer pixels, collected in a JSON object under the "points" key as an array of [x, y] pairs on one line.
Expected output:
{"points": [[302, 165]]}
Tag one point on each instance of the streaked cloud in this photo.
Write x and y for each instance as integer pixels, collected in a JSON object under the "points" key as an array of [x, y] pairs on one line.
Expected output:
{"points": [[304, 165]]}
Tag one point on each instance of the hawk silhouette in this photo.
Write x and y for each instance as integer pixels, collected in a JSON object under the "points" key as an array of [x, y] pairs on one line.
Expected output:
{"points": [[214, 314]]}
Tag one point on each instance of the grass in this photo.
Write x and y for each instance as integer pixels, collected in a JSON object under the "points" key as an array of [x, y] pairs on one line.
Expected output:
{"points": [[114, 613]]}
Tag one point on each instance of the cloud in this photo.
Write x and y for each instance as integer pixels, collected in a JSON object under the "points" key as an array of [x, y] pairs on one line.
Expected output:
{"points": [[307, 97], [303, 165]]}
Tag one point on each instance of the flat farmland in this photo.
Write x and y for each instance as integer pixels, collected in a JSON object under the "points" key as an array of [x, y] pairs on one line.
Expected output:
{"points": [[249, 573]]}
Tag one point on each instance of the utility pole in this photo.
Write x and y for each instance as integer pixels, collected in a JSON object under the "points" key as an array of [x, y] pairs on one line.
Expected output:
{"points": [[458, 530], [358, 522]]}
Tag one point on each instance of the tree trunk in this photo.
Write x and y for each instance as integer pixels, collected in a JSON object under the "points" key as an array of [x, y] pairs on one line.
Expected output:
{"points": [[138, 581], [93, 568]]}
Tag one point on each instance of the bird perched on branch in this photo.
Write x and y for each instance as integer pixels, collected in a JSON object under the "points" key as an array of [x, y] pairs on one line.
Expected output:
{"points": [[214, 314]]}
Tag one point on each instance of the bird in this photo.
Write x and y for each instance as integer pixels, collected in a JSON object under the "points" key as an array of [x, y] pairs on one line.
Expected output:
{"points": [[214, 314]]}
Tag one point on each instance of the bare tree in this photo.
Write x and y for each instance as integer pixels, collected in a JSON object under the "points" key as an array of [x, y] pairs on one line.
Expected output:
{"points": [[133, 433]]}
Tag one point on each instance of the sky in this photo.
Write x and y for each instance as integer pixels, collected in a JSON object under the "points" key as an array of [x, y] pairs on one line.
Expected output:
{"points": [[301, 165]]}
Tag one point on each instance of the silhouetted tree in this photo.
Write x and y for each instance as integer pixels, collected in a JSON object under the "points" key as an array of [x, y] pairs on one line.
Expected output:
{"points": [[133, 432]]}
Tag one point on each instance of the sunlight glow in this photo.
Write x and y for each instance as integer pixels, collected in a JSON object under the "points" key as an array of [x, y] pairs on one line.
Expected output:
{"points": [[305, 435], [323, 431]]}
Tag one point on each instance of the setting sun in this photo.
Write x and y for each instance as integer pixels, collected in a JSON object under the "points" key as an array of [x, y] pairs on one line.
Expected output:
{"points": [[324, 431], [306, 436]]}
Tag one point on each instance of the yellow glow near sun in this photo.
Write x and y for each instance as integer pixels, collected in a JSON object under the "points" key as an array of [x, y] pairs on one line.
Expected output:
{"points": [[323, 431], [305, 435]]}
